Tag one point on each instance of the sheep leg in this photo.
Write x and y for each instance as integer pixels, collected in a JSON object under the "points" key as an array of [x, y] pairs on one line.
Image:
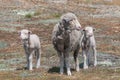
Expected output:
{"points": [[88, 57], [30, 60], [76, 60], [85, 66], [38, 55], [95, 56], [61, 63], [27, 57], [66, 55]]}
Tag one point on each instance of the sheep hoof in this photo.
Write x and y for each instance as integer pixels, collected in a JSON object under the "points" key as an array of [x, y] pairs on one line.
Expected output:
{"points": [[37, 67], [95, 64], [77, 69], [69, 73], [61, 73], [30, 69], [85, 67]]}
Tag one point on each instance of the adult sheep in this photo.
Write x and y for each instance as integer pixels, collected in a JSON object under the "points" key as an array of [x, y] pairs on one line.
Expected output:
{"points": [[65, 38]]}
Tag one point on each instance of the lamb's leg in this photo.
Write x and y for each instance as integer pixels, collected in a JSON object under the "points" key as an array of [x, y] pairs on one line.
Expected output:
{"points": [[85, 66], [76, 60], [27, 56], [30, 60], [67, 61], [88, 56], [61, 63], [38, 55], [95, 55]]}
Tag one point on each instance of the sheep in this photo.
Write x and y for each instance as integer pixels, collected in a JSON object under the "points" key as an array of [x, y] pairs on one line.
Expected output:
{"points": [[87, 43], [65, 38], [31, 44]]}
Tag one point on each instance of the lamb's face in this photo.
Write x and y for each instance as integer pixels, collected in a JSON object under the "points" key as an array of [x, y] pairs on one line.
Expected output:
{"points": [[24, 34], [88, 31]]}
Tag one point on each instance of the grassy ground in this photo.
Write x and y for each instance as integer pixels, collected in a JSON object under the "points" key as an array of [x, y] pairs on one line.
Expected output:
{"points": [[91, 74], [18, 14]]}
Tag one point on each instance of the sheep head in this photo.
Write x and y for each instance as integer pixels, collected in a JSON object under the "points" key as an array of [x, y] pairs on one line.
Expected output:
{"points": [[69, 22], [88, 31], [24, 34]]}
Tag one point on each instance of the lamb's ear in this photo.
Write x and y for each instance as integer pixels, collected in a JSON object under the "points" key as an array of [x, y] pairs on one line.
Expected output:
{"points": [[30, 32], [94, 29], [83, 30]]}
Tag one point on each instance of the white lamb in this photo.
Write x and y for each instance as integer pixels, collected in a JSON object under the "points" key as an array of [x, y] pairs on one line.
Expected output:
{"points": [[31, 44], [87, 43]]}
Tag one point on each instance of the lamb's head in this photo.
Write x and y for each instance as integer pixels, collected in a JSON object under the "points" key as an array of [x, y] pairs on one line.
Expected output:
{"points": [[88, 31], [24, 34], [70, 22]]}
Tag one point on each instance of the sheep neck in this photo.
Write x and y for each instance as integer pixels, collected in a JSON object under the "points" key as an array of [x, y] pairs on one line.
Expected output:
{"points": [[63, 33], [86, 41], [26, 42]]}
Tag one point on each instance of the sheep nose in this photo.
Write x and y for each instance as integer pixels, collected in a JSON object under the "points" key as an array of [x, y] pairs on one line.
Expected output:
{"points": [[90, 34], [79, 28]]}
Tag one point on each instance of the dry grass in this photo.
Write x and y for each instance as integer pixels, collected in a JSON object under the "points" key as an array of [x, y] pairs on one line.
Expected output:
{"points": [[91, 74]]}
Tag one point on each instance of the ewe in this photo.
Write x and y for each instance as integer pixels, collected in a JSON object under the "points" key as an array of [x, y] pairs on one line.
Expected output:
{"points": [[65, 38]]}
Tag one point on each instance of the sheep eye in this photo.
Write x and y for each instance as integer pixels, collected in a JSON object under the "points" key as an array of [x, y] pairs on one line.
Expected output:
{"points": [[71, 20]]}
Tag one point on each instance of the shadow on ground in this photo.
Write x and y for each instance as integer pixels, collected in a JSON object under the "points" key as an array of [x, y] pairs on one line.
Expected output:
{"points": [[54, 70]]}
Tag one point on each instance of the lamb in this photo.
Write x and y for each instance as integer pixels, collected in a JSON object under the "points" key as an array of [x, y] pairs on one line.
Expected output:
{"points": [[87, 43], [31, 44], [65, 38]]}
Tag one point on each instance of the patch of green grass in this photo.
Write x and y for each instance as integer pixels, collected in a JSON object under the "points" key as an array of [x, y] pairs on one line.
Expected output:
{"points": [[28, 15], [37, 13], [56, 15]]}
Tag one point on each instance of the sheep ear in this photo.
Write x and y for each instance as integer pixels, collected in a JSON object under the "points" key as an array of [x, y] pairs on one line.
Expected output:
{"points": [[83, 30], [30, 32], [94, 29], [64, 21]]}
